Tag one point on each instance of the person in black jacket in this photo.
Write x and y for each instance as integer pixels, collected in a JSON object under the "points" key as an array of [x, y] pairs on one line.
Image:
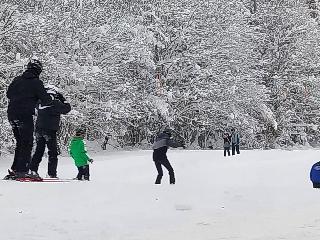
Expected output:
{"points": [[23, 94], [47, 125], [105, 142], [160, 147], [226, 144]]}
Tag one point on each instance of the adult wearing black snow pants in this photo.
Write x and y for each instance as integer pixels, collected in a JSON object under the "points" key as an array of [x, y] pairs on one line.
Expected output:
{"points": [[160, 158], [22, 127], [23, 94], [47, 125], [160, 148]]}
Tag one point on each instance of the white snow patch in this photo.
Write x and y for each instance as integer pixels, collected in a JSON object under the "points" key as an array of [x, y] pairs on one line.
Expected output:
{"points": [[256, 195]]}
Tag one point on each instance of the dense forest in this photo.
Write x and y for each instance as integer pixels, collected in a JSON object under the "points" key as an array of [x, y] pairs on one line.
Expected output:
{"points": [[201, 67]]}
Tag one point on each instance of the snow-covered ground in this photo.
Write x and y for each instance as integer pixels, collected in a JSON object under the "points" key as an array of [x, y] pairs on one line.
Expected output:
{"points": [[256, 195]]}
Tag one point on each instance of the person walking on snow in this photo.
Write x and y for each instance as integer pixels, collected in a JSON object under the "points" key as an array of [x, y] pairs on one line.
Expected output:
{"points": [[78, 152], [23, 94], [47, 126], [160, 147], [235, 142]]}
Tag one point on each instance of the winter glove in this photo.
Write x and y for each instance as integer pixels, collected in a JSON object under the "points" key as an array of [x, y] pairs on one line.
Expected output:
{"points": [[90, 160], [60, 97]]}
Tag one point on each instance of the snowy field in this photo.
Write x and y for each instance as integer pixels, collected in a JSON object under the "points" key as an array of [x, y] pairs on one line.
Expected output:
{"points": [[257, 195]]}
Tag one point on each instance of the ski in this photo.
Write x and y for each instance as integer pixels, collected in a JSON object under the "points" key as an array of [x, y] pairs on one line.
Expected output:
{"points": [[58, 179], [42, 180]]}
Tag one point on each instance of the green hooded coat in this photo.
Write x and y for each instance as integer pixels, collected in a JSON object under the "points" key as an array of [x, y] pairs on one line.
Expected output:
{"points": [[78, 151]]}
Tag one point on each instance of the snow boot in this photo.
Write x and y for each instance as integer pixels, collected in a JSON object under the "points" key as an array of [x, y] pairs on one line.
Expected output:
{"points": [[33, 176], [52, 176], [158, 180], [172, 179], [86, 177], [11, 175]]}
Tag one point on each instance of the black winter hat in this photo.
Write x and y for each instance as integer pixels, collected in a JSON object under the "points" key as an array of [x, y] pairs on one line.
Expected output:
{"points": [[36, 65], [167, 131], [80, 131]]}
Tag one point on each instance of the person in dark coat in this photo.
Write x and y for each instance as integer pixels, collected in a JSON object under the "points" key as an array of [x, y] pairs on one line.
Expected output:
{"points": [[226, 144], [47, 126], [23, 94], [235, 142], [160, 147], [105, 142]]}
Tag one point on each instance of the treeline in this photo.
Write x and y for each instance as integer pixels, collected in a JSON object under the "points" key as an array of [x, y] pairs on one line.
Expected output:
{"points": [[131, 68]]}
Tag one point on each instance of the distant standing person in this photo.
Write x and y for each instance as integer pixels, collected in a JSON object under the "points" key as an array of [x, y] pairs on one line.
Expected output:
{"points": [[47, 126], [23, 94], [160, 147], [105, 142], [226, 144], [235, 142]]}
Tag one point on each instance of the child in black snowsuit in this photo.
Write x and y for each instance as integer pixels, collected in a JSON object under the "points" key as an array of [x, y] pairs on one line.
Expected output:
{"points": [[47, 126], [226, 144], [160, 148]]}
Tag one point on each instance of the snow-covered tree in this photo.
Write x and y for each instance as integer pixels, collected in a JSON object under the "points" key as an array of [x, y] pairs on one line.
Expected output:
{"points": [[287, 41], [131, 68]]}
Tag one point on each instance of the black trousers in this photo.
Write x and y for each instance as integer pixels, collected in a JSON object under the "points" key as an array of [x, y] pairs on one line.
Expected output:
{"points": [[104, 146], [45, 137], [168, 166], [83, 172], [226, 149], [235, 148], [22, 128]]}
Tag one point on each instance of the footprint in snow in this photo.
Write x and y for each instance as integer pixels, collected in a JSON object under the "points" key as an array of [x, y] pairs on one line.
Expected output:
{"points": [[203, 223], [183, 207]]}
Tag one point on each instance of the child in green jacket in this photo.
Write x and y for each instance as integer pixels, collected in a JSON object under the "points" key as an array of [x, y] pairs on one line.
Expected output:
{"points": [[78, 152]]}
